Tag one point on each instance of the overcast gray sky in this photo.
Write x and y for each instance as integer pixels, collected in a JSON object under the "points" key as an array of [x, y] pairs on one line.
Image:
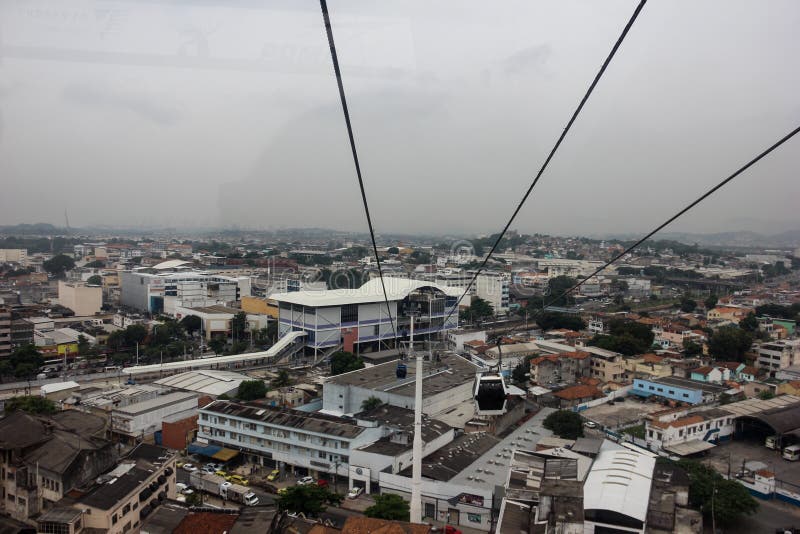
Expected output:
{"points": [[203, 113]]}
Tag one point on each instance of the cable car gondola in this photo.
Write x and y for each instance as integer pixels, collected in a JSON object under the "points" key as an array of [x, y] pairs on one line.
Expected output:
{"points": [[491, 390]]}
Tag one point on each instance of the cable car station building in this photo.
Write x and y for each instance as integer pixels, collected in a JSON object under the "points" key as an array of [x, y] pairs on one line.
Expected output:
{"points": [[357, 320]]}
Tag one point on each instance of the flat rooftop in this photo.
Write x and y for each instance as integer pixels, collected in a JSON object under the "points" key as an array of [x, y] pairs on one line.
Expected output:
{"points": [[690, 384], [128, 476], [312, 422], [403, 419], [450, 371], [158, 402]]}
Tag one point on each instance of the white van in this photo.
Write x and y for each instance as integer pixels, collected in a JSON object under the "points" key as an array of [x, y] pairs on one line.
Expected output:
{"points": [[771, 442], [792, 453]]}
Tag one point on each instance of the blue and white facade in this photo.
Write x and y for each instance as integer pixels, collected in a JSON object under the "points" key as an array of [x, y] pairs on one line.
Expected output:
{"points": [[331, 317], [677, 392]]}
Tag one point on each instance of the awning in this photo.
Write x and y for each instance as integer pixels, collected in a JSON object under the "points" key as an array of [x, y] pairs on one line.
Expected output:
{"points": [[690, 447], [204, 449], [223, 455]]}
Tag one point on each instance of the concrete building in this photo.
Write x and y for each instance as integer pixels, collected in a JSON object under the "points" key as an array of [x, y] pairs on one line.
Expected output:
{"points": [[44, 457], [393, 451], [162, 292], [685, 432], [493, 288], [563, 367], [14, 255], [447, 381], [777, 355], [142, 419], [83, 299], [677, 389], [122, 498], [358, 320], [305, 443], [216, 320], [462, 481], [457, 338], [204, 382], [5, 333]]}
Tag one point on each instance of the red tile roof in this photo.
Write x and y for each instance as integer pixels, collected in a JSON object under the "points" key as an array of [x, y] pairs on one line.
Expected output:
{"points": [[580, 391], [205, 523]]}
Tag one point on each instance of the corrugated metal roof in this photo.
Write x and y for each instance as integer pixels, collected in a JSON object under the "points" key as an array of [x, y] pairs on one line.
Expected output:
{"points": [[620, 481]]}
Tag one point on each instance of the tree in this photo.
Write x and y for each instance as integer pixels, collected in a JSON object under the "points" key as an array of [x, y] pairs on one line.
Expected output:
{"points": [[309, 500], [26, 361], [565, 424], [688, 305], [393, 250], [83, 345], [731, 500], [95, 280], [344, 362], [692, 348], [31, 404], [479, 308], [729, 343], [551, 320], [252, 390], [282, 380], [711, 301], [370, 403], [749, 323], [96, 264], [59, 265], [520, 373], [239, 325], [558, 285], [217, 344], [389, 506], [191, 323], [135, 333], [766, 394]]}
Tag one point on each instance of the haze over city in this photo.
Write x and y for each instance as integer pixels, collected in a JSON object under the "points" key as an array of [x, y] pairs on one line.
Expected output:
{"points": [[227, 115]]}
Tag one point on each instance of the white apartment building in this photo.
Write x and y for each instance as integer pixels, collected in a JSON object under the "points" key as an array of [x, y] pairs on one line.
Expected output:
{"points": [[493, 288], [143, 419], [304, 442], [163, 292], [777, 355], [14, 255], [82, 299], [685, 432]]}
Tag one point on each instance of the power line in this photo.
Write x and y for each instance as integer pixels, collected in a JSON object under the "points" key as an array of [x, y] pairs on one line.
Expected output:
{"points": [[329, 30], [554, 149], [680, 213]]}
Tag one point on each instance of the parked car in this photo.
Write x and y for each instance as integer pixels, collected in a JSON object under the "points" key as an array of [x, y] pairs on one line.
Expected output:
{"points": [[221, 473], [355, 492], [590, 424], [449, 529], [213, 466], [179, 463], [238, 479], [305, 481], [189, 467], [274, 475], [322, 483], [282, 491]]}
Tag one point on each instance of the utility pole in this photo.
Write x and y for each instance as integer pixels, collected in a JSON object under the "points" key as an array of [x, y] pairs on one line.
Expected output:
{"points": [[713, 517], [416, 478]]}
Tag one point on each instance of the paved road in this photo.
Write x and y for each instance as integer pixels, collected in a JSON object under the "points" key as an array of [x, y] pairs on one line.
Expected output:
{"points": [[771, 515], [263, 496]]}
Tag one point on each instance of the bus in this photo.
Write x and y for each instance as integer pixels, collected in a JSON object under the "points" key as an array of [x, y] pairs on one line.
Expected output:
{"points": [[792, 453]]}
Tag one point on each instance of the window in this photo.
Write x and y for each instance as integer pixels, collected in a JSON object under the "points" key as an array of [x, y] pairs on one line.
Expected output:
{"points": [[126, 508], [350, 313], [686, 395], [671, 392], [114, 519]]}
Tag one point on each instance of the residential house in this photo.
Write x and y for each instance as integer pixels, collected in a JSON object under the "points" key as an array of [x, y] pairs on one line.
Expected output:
{"points": [[578, 394], [711, 374], [730, 313], [694, 431], [44, 457], [789, 388], [567, 367]]}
